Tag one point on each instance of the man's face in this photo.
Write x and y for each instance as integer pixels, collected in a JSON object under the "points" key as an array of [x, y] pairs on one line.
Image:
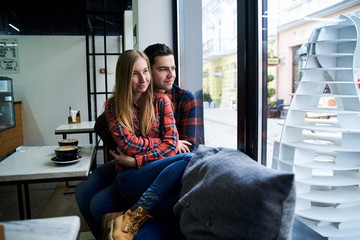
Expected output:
{"points": [[163, 72]]}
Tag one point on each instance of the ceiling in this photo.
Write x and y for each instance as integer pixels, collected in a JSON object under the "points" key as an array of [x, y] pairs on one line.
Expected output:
{"points": [[63, 17]]}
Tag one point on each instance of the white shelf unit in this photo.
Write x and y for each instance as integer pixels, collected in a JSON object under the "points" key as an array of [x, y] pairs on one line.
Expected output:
{"points": [[321, 143]]}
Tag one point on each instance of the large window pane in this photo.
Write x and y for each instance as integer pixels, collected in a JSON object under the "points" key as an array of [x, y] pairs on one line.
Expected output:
{"points": [[220, 72]]}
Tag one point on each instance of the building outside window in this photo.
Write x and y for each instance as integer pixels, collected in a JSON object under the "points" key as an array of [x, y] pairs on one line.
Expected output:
{"points": [[290, 24], [220, 61]]}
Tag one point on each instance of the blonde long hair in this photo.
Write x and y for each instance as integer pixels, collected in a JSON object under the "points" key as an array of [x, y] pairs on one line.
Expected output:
{"points": [[123, 96]]}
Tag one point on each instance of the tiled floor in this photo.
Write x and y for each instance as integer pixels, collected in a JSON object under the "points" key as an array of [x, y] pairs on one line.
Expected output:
{"points": [[40, 193], [86, 236]]}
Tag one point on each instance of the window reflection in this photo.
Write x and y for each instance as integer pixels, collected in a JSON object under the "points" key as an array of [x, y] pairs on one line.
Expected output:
{"points": [[220, 72]]}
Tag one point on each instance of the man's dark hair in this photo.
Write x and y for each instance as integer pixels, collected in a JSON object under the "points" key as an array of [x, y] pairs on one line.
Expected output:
{"points": [[156, 50]]}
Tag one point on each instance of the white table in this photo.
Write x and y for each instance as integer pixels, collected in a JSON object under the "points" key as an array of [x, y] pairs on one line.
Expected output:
{"points": [[58, 228], [34, 165], [83, 127], [75, 128]]}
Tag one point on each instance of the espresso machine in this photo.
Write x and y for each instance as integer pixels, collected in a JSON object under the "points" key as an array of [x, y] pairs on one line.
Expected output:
{"points": [[7, 111]]}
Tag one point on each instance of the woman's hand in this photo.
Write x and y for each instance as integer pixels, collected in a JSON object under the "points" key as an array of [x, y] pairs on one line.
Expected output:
{"points": [[123, 159], [183, 146]]}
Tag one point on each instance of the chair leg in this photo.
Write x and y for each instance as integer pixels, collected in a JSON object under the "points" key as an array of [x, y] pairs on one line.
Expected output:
{"points": [[106, 152]]}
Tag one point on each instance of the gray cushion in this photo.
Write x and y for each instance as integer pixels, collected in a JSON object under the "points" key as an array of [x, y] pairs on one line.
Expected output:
{"points": [[227, 195]]}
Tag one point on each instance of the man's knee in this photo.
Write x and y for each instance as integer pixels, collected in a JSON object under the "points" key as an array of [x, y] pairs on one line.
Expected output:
{"points": [[97, 209], [81, 194]]}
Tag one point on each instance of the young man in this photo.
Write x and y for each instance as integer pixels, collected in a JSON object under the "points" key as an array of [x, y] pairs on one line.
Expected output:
{"points": [[163, 67]]}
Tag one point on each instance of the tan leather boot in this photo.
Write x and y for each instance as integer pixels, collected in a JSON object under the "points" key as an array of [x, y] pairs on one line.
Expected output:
{"points": [[107, 224], [128, 225]]}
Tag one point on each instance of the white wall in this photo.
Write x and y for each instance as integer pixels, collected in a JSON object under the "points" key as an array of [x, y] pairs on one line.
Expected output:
{"points": [[128, 30], [190, 45], [153, 20], [52, 77]]}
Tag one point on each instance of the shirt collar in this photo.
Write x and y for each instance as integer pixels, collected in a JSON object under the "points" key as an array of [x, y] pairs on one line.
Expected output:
{"points": [[168, 93]]}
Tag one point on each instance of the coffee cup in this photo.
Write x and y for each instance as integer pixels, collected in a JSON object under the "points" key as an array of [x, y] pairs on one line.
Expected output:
{"points": [[68, 142], [66, 152]]}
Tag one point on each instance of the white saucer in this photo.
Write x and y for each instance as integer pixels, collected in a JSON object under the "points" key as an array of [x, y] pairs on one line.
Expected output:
{"points": [[54, 159]]}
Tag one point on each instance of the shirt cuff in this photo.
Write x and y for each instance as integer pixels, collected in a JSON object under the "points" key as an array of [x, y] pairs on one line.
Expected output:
{"points": [[139, 159]]}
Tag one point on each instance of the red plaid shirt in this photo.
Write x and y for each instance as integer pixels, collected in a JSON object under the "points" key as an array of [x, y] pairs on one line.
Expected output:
{"points": [[184, 104], [161, 141]]}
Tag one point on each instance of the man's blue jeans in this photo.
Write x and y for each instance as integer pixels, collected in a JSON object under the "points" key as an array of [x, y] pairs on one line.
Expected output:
{"points": [[100, 194], [160, 179]]}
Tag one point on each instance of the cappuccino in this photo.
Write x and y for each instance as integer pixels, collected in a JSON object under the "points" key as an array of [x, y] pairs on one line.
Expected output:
{"points": [[66, 148], [67, 140]]}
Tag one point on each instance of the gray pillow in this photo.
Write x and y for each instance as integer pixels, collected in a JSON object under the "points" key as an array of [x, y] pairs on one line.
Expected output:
{"points": [[227, 195]]}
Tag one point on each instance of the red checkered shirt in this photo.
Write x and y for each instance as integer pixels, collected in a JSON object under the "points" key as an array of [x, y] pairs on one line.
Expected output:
{"points": [[161, 141], [184, 104]]}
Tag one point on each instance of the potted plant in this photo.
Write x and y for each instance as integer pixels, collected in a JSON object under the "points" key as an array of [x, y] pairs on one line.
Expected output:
{"points": [[270, 93], [207, 99]]}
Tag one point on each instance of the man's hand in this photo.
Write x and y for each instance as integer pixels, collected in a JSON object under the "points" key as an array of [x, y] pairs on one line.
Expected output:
{"points": [[183, 146], [123, 159]]}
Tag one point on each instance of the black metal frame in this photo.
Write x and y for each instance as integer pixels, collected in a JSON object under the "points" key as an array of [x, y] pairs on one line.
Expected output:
{"points": [[91, 55], [248, 79], [175, 37], [264, 83]]}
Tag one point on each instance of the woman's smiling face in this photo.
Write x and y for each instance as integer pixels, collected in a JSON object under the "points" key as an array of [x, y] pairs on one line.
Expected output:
{"points": [[140, 78]]}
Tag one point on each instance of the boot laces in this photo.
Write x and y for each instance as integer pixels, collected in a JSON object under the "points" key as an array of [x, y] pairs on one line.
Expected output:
{"points": [[137, 222]]}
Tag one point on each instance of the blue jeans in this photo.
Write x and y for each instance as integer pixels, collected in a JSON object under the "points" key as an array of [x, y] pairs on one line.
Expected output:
{"points": [[159, 181], [101, 194], [98, 195]]}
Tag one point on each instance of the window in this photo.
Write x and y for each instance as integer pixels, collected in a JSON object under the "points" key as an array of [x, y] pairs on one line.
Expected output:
{"points": [[220, 81]]}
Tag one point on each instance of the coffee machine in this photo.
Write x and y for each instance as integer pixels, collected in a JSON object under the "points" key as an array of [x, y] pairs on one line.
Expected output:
{"points": [[7, 112]]}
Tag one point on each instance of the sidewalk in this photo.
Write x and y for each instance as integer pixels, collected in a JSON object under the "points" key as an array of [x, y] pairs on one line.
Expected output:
{"points": [[220, 130]]}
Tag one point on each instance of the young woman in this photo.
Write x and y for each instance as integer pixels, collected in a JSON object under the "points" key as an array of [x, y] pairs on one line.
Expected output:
{"points": [[143, 127]]}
